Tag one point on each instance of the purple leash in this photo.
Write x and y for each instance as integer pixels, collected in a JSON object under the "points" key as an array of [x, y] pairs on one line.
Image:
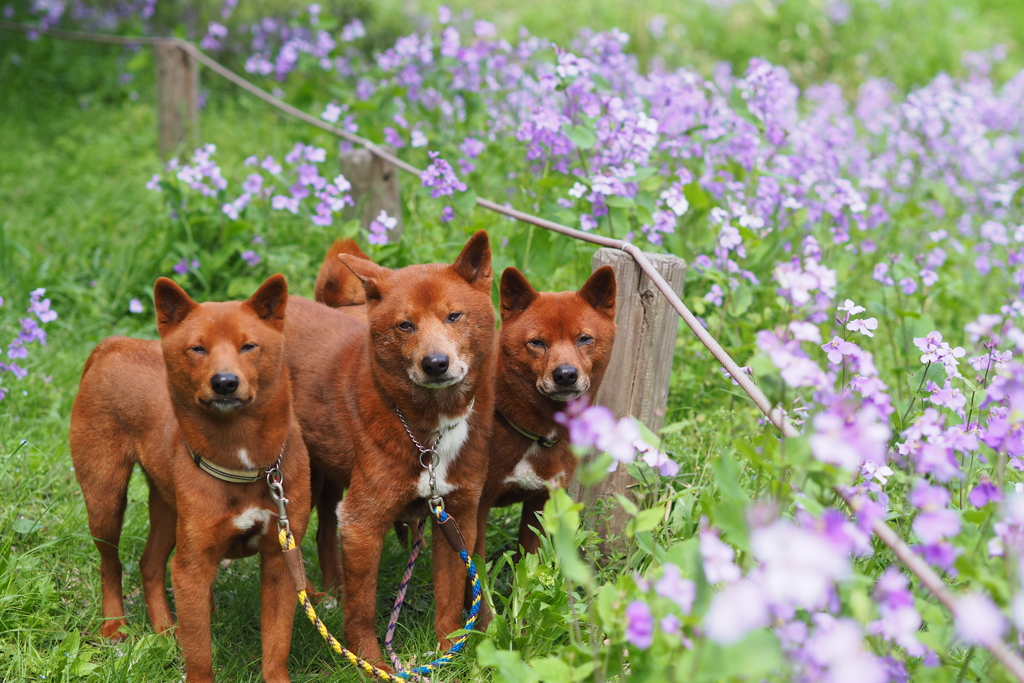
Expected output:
{"points": [[389, 635]]}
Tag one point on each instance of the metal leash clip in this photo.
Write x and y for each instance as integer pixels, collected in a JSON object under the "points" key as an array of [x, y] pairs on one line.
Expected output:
{"points": [[275, 482]]}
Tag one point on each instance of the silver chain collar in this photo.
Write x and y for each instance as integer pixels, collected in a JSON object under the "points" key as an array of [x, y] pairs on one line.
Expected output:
{"points": [[435, 500]]}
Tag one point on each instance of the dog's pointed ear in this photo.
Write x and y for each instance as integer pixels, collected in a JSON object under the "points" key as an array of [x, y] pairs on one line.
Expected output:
{"points": [[516, 294], [373, 277], [270, 301], [172, 305], [474, 263], [599, 291]]}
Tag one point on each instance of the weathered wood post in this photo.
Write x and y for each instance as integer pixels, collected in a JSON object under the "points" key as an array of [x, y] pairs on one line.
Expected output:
{"points": [[374, 189], [177, 83], [637, 380]]}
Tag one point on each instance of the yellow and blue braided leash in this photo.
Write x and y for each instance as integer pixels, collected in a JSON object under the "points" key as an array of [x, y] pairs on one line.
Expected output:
{"points": [[458, 644]]}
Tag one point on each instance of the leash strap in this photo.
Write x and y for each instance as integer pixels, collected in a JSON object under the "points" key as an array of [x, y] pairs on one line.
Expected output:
{"points": [[389, 635], [417, 674], [541, 440]]}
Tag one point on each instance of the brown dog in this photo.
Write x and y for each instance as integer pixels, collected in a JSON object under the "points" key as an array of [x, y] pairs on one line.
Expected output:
{"points": [[212, 395], [554, 348], [427, 354]]}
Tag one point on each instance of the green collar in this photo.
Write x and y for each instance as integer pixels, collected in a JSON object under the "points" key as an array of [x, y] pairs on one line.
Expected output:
{"points": [[233, 476], [541, 440]]}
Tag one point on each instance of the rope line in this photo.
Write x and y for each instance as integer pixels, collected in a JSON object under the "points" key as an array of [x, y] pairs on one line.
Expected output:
{"points": [[287, 541], [914, 563], [389, 634]]}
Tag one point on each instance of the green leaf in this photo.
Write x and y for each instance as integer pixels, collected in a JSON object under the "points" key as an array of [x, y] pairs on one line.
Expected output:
{"points": [[464, 202], [24, 525], [581, 136], [620, 202], [754, 658], [508, 665], [627, 505], [645, 520], [674, 427], [551, 669], [595, 470], [934, 372]]}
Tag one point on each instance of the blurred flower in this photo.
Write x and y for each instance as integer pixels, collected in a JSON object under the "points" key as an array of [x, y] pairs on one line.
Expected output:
{"points": [[639, 624]]}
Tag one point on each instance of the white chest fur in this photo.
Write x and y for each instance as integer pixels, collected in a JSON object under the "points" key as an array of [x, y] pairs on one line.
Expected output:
{"points": [[455, 432], [253, 518], [524, 475]]}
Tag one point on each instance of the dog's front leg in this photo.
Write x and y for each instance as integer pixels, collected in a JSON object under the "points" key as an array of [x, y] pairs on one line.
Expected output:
{"points": [[528, 539], [362, 525], [450, 570], [277, 612], [192, 575]]}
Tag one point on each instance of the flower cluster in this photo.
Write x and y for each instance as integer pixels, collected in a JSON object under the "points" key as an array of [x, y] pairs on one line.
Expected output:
{"points": [[30, 333]]}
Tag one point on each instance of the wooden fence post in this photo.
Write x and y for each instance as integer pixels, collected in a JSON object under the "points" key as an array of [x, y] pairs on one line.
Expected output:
{"points": [[177, 82], [374, 189], [637, 380]]}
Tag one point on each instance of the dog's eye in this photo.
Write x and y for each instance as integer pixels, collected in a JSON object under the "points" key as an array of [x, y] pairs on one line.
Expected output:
{"points": [[584, 340], [536, 343], [198, 350], [406, 326], [454, 317], [248, 347]]}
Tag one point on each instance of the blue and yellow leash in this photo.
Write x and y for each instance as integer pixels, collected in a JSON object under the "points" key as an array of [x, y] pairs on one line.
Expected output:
{"points": [[446, 523]]}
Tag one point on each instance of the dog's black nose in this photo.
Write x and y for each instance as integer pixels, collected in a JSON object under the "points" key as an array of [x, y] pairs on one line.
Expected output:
{"points": [[224, 383], [435, 365], [565, 375]]}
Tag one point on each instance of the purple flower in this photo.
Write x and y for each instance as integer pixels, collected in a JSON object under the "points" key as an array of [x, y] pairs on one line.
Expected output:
{"points": [[865, 326], [331, 113], [154, 183], [440, 177], [379, 228], [985, 492], [472, 147], [135, 306], [847, 439], [718, 559], [447, 214], [715, 295], [251, 257], [909, 285], [681, 591], [394, 138], [253, 183], [280, 202], [934, 522], [670, 624], [837, 348], [639, 624], [181, 267], [418, 139], [659, 460], [735, 611], [978, 620], [41, 307], [882, 274]]}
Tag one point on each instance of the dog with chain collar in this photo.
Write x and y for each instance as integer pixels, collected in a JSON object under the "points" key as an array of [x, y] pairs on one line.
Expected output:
{"points": [[206, 412]]}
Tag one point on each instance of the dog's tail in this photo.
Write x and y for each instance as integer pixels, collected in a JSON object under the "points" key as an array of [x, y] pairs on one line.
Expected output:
{"points": [[336, 285]]}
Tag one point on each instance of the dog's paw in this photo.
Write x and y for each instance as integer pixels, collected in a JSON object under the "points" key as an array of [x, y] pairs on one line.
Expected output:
{"points": [[111, 630]]}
